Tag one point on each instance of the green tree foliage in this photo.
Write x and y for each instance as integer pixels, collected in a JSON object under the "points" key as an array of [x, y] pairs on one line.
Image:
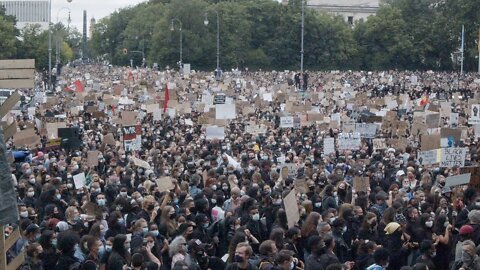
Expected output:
{"points": [[7, 35]]}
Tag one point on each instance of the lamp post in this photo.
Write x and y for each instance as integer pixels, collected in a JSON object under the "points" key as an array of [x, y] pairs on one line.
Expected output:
{"points": [[303, 32], [58, 36], [172, 28], [218, 38], [50, 43]]}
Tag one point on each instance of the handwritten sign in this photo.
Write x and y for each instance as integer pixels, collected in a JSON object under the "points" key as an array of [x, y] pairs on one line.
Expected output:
{"points": [[286, 122], [429, 157], [349, 141], [328, 146], [291, 209], [366, 130], [379, 144], [453, 157]]}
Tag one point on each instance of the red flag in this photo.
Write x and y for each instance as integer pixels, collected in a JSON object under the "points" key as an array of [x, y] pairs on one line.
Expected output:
{"points": [[77, 86], [167, 97]]}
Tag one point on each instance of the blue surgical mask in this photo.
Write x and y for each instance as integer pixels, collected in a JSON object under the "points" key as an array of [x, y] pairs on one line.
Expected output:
{"points": [[101, 251], [145, 230], [155, 233], [101, 202], [54, 242]]}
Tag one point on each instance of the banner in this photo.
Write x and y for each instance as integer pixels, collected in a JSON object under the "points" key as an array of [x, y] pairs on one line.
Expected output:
{"points": [[429, 157], [366, 130], [286, 122], [132, 138]]}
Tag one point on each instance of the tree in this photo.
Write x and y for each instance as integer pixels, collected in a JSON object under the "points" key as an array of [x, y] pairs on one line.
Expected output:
{"points": [[7, 35]]}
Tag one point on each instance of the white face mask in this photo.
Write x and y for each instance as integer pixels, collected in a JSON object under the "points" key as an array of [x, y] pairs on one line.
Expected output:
{"points": [[30, 193], [256, 217], [24, 214], [429, 224]]}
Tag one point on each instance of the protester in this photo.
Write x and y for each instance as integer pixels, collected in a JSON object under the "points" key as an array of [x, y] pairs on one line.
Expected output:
{"points": [[336, 170]]}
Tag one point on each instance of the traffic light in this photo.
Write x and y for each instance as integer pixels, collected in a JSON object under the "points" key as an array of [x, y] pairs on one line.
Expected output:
{"points": [[125, 51]]}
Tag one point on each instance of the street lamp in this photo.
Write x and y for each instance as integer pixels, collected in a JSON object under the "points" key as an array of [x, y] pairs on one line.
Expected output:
{"points": [[172, 28], [58, 36], [50, 43], [205, 21]]}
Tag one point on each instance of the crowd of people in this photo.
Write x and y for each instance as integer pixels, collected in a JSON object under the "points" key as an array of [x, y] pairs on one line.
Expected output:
{"points": [[225, 206]]}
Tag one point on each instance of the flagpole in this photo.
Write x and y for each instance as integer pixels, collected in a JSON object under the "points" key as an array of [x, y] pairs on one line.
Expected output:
{"points": [[463, 47]]}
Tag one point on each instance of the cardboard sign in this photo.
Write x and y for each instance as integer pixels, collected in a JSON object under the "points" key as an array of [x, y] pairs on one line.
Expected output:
{"points": [[366, 130], [429, 157], [430, 142], [129, 118], [379, 144], [349, 141], [432, 120], [361, 183], [165, 184], [457, 180], [291, 209], [92, 158], [79, 180], [26, 138], [328, 146], [141, 163], [453, 157], [109, 139]]}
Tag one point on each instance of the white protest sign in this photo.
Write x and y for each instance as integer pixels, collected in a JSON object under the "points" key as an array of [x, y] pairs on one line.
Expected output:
{"points": [[141, 163], [474, 115], [268, 97], [79, 180], [366, 130], [453, 157], [328, 146], [458, 180], [225, 111], [453, 119], [214, 132], [157, 115], [429, 157], [349, 141], [286, 122]]}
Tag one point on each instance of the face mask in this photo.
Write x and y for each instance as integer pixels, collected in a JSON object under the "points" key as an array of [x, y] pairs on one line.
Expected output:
{"points": [[278, 202], [335, 194], [242, 192], [155, 233], [24, 214], [214, 201], [344, 230], [54, 242], [28, 171], [31, 180], [318, 204], [225, 188], [434, 254], [123, 194], [332, 219], [214, 187], [101, 202], [69, 186], [466, 258], [108, 248], [477, 204], [30, 193], [58, 196], [205, 225], [429, 224], [256, 217], [101, 251], [238, 259], [446, 223], [98, 190], [145, 230]]}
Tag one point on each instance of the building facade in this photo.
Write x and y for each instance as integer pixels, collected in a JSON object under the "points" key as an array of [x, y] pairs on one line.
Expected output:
{"points": [[28, 12], [351, 10]]}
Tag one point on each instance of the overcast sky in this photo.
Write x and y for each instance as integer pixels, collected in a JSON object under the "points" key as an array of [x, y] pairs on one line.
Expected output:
{"points": [[95, 8]]}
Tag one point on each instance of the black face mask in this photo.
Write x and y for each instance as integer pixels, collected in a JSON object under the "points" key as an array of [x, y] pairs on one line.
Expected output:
{"points": [[150, 207]]}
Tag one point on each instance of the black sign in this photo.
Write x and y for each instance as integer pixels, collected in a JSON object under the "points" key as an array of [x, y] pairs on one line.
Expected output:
{"points": [[219, 99]]}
